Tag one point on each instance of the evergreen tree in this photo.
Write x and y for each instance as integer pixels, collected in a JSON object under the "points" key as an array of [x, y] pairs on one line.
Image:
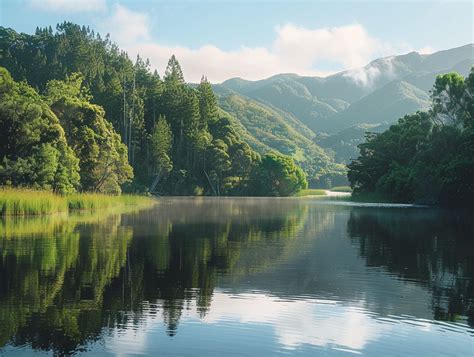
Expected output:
{"points": [[160, 146], [207, 103]]}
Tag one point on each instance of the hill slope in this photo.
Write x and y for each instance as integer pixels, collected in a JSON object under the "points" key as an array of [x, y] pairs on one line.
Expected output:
{"points": [[386, 104], [271, 130], [314, 101]]}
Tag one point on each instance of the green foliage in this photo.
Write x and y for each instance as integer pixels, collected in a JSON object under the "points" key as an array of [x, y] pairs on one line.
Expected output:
{"points": [[33, 147], [102, 155], [161, 146], [452, 99], [425, 157], [274, 130], [278, 175], [117, 114], [207, 103]]}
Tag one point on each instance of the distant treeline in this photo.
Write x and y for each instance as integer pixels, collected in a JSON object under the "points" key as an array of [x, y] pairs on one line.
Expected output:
{"points": [[427, 157], [77, 114]]}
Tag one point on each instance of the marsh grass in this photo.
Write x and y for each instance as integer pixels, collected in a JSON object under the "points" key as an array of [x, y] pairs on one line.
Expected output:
{"points": [[22, 202], [310, 192]]}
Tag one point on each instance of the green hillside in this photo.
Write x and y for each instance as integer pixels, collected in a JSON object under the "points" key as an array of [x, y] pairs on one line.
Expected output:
{"points": [[266, 129], [386, 104], [343, 144]]}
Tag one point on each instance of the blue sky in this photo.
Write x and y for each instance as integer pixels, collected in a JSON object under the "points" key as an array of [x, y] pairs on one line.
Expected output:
{"points": [[257, 39]]}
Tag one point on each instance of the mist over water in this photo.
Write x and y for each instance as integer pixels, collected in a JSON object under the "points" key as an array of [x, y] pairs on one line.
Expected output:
{"points": [[234, 276]]}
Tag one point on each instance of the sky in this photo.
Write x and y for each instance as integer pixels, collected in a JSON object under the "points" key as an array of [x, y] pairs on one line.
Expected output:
{"points": [[257, 39]]}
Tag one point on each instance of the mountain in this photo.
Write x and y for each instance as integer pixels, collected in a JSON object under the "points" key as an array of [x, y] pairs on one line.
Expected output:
{"points": [[341, 104], [386, 104], [315, 101], [343, 145]]}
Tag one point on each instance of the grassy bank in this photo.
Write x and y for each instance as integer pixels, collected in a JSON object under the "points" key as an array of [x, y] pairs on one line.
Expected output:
{"points": [[21, 202], [310, 192], [341, 189]]}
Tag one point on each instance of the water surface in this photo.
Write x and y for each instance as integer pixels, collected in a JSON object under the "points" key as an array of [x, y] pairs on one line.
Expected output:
{"points": [[208, 276]]}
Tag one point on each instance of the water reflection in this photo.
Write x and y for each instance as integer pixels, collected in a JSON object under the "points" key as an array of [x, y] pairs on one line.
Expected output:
{"points": [[238, 276], [431, 247]]}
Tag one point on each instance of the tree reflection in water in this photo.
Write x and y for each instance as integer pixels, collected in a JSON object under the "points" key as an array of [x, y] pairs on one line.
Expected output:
{"points": [[66, 281], [432, 247]]}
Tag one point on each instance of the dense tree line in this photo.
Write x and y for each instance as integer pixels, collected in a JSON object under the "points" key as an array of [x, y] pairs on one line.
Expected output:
{"points": [[114, 115], [427, 156]]}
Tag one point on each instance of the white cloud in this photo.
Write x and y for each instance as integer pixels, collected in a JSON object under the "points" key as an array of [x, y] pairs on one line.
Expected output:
{"points": [[368, 75], [427, 50], [69, 5], [126, 26], [350, 46], [295, 49]]}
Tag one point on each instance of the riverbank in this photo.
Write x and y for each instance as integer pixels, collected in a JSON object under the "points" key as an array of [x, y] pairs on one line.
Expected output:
{"points": [[21, 202], [346, 189], [310, 192], [322, 193]]}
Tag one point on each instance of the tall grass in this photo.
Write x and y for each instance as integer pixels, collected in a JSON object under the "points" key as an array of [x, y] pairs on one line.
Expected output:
{"points": [[310, 192], [20, 202]]}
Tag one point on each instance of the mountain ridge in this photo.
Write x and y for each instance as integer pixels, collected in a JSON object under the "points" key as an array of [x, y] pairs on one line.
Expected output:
{"points": [[377, 93]]}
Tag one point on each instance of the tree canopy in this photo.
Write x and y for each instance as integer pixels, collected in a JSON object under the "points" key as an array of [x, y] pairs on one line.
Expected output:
{"points": [[33, 148], [277, 175], [129, 128]]}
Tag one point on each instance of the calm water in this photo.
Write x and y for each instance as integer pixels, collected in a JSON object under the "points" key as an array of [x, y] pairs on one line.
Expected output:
{"points": [[195, 276]]}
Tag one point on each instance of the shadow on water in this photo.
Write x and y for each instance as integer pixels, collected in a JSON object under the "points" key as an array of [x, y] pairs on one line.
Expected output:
{"points": [[68, 281]]}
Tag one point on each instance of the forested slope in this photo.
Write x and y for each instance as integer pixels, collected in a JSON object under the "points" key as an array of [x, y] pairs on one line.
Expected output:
{"points": [[128, 127]]}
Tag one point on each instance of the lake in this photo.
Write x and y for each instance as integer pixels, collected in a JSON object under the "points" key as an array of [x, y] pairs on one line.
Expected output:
{"points": [[239, 276]]}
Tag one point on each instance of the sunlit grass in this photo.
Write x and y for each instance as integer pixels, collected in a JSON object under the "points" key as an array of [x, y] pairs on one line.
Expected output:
{"points": [[341, 189], [20, 202], [310, 192]]}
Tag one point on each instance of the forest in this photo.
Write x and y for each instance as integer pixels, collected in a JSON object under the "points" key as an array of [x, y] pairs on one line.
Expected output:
{"points": [[426, 157], [76, 114]]}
